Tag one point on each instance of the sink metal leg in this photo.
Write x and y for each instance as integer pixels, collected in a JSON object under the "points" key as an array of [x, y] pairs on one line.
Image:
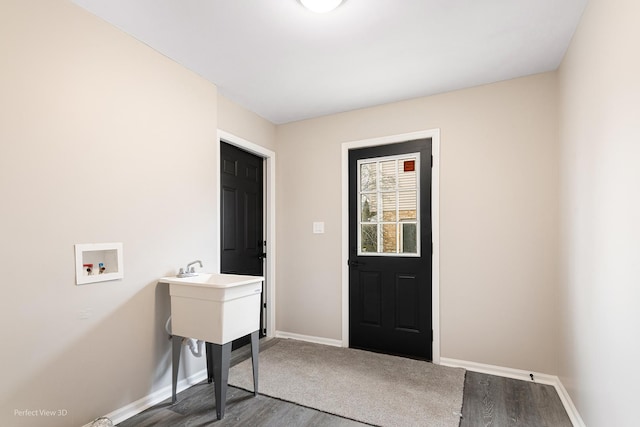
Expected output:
{"points": [[221, 362], [176, 348], [209, 356], [255, 339]]}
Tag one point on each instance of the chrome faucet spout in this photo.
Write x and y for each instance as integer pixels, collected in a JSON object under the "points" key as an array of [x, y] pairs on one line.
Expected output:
{"points": [[189, 266]]}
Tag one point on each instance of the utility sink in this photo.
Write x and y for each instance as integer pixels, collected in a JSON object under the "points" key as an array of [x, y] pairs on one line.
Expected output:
{"points": [[216, 308]]}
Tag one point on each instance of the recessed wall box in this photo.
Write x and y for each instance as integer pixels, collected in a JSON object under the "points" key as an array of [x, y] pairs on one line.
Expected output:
{"points": [[98, 262]]}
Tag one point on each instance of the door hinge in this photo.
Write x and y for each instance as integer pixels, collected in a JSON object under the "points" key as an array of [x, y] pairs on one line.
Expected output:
{"points": [[432, 335], [431, 161], [264, 305]]}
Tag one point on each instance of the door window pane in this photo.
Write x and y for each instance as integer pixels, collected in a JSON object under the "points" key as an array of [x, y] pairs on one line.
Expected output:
{"points": [[389, 238], [369, 207], [389, 217], [407, 174], [369, 238], [388, 175], [409, 239], [408, 205], [368, 176], [389, 206]]}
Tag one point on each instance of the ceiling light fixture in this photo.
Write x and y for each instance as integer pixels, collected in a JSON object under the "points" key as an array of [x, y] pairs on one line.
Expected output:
{"points": [[321, 6]]}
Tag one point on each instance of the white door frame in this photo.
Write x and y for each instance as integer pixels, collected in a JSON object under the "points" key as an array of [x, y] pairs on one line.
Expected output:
{"points": [[434, 134], [269, 216]]}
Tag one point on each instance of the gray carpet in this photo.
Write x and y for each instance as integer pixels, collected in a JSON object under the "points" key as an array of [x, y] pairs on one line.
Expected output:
{"points": [[369, 387]]}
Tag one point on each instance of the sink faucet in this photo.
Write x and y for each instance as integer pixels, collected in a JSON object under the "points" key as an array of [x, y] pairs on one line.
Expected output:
{"points": [[190, 267], [190, 271]]}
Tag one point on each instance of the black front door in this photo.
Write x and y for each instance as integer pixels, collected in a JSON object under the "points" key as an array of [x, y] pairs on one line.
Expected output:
{"points": [[241, 226], [390, 249]]}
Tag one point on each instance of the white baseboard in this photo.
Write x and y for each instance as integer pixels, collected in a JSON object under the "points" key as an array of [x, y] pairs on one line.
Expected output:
{"points": [[501, 371], [574, 415], [309, 338], [126, 412], [519, 374]]}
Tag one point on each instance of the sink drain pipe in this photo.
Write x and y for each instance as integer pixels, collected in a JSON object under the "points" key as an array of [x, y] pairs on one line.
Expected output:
{"points": [[194, 345]]}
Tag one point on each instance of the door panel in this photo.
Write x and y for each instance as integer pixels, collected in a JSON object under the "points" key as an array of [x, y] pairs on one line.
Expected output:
{"points": [[230, 167], [390, 249], [229, 217], [252, 241], [407, 303], [371, 295]]}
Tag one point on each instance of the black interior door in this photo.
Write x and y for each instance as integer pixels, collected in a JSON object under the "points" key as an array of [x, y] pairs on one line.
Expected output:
{"points": [[241, 227], [390, 249]]}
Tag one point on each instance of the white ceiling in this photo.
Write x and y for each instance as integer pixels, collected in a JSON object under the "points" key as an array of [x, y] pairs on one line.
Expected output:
{"points": [[285, 63]]}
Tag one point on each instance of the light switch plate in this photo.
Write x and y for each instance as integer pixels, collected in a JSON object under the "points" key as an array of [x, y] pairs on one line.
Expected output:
{"points": [[318, 228]]}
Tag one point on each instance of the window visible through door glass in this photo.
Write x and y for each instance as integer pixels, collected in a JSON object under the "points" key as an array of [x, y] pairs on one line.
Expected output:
{"points": [[389, 211]]}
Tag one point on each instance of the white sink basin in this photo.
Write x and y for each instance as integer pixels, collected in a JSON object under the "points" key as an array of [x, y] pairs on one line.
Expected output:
{"points": [[216, 308]]}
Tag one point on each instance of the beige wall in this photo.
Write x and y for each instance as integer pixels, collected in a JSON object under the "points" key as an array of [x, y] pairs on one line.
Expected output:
{"points": [[600, 211], [101, 140], [240, 122], [94, 132], [498, 213]]}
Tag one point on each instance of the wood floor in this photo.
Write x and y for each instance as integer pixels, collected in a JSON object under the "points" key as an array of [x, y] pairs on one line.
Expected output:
{"points": [[488, 401]]}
